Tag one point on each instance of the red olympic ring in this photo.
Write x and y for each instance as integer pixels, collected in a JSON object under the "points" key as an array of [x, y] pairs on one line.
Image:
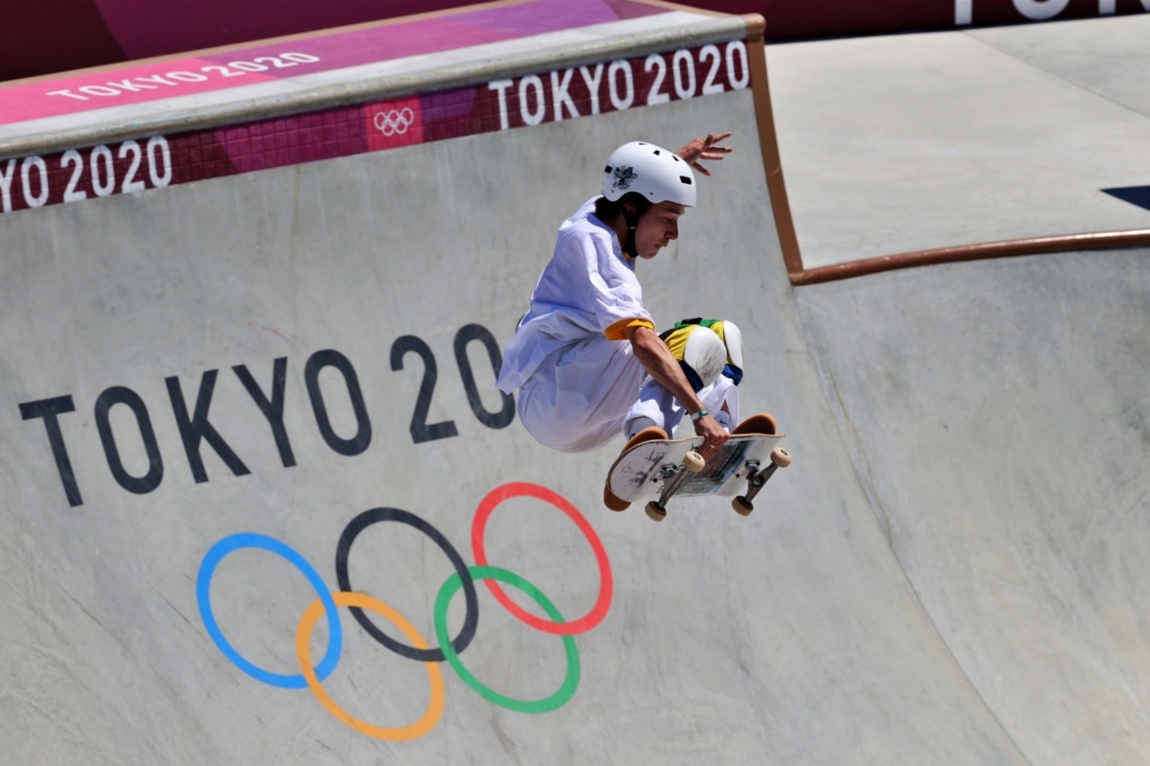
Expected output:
{"points": [[606, 587]]}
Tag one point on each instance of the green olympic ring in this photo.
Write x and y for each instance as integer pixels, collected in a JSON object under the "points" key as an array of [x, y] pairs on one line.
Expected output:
{"points": [[545, 705]]}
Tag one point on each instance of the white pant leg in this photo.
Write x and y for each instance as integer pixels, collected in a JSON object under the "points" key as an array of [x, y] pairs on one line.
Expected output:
{"points": [[578, 401], [721, 399], [655, 404]]}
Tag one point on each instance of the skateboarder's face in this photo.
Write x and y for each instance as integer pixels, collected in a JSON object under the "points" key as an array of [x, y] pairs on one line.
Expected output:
{"points": [[657, 228]]}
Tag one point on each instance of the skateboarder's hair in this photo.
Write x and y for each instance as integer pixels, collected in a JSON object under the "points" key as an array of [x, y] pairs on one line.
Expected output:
{"points": [[606, 210]]}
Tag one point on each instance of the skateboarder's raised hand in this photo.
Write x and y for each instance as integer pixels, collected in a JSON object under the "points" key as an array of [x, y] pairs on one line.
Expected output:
{"points": [[705, 149]]}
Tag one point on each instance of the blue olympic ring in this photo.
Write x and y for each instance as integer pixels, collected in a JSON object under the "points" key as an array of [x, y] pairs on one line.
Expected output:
{"points": [[203, 596]]}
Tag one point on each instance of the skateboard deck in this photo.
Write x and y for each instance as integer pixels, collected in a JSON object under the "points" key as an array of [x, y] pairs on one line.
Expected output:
{"points": [[655, 471]]}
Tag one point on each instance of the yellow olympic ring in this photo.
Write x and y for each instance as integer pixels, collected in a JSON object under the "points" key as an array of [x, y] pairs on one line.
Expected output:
{"points": [[303, 635]]}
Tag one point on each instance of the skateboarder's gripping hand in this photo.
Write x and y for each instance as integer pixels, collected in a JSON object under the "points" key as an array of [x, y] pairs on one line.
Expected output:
{"points": [[714, 436]]}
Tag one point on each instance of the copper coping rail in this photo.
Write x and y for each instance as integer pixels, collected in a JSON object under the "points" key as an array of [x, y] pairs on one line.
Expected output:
{"points": [[1104, 240]]}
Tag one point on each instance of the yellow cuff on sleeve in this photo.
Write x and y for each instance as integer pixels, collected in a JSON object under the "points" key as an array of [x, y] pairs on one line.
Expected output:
{"points": [[615, 331]]}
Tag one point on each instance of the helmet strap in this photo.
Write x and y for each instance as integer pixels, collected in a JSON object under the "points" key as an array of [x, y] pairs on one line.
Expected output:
{"points": [[632, 221]]}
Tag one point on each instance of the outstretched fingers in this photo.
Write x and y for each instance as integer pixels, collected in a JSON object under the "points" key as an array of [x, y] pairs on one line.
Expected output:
{"points": [[708, 149]]}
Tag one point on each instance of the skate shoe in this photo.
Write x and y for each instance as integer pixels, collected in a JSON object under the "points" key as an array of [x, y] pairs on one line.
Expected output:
{"points": [[762, 423]]}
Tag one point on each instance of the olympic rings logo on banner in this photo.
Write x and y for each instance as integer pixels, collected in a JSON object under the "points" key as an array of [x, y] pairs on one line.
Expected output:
{"points": [[394, 121], [326, 605]]}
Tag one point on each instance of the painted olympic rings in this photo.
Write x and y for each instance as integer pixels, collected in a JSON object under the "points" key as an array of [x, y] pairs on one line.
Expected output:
{"points": [[394, 121], [449, 650]]}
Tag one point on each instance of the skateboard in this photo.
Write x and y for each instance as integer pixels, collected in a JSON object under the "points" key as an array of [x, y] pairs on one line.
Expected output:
{"points": [[660, 469]]}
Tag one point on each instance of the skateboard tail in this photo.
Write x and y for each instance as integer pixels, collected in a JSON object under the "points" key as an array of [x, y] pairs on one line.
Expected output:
{"points": [[629, 477]]}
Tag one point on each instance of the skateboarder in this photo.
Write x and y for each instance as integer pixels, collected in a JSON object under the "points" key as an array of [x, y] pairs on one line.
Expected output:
{"points": [[585, 358]]}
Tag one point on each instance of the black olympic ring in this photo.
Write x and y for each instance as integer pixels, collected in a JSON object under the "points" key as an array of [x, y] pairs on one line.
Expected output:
{"points": [[470, 622]]}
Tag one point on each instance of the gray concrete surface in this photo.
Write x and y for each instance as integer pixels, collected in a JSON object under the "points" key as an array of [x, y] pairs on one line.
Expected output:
{"points": [[910, 142], [997, 413], [953, 571]]}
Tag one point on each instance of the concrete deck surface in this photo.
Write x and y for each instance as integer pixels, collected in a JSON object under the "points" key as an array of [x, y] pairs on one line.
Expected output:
{"points": [[910, 142]]}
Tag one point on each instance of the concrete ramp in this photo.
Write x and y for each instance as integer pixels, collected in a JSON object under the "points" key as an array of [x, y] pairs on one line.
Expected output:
{"points": [[239, 406], [997, 414]]}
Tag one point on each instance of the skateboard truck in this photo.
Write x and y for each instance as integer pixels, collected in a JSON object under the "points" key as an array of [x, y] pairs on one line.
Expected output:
{"points": [[757, 477], [674, 476]]}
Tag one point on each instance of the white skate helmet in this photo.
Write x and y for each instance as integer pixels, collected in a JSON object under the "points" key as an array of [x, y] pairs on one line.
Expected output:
{"points": [[656, 173]]}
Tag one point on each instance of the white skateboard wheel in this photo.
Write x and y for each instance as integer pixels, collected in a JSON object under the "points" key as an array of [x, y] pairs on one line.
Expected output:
{"points": [[780, 457], [742, 506], [656, 512], [693, 461]]}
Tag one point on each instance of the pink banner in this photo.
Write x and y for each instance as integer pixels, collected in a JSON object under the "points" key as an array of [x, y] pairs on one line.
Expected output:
{"points": [[523, 102], [142, 83]]}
